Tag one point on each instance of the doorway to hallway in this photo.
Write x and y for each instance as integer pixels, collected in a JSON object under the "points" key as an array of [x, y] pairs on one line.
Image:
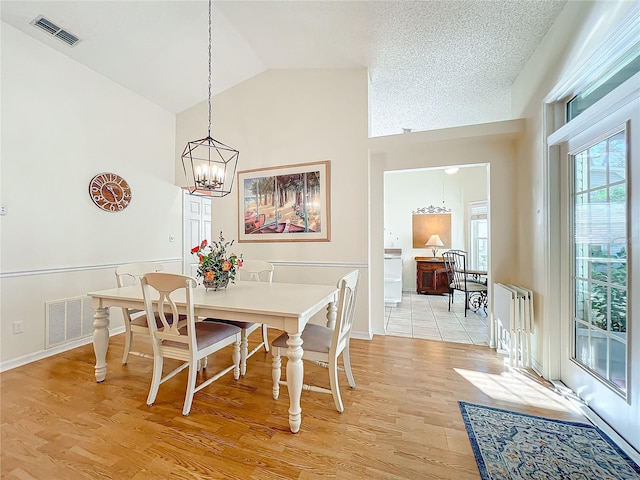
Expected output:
{"points": [[405, 191]]}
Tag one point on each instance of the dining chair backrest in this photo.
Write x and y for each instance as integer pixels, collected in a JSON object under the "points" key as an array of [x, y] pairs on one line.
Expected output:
{"points": [[348, 292], [455, 264], [257, 270], [168, 288], [130, 274]]}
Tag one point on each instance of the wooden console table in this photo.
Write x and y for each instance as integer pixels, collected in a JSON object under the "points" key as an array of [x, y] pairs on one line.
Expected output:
{"points": [[431, 276]]}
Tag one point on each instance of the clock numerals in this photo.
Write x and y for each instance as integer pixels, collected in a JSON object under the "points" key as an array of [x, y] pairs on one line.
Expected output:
{"points": [[99, 181], [110, 192]]}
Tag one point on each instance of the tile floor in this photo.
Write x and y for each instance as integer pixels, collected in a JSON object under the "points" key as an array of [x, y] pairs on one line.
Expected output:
{"points": [[427, 316]]}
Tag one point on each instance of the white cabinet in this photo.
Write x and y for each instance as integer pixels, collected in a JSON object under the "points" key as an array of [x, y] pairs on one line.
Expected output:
{"points": [[392, 276]]}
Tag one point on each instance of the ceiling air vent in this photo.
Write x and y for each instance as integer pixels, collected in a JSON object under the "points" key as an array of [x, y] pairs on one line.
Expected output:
{"points": [[53, 29]]}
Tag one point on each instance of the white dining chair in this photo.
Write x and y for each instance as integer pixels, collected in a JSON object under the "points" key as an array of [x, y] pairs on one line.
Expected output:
{"points": [[135, 321], [259, 271], [189, 343], [323, 346]]}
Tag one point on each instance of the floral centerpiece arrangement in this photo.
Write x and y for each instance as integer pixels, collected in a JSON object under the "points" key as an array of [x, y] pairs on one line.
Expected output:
{"points": [[216, 267]]}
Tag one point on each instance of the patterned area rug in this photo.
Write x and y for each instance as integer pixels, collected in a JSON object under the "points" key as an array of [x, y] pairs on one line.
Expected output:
{"points": [[511, 445]]}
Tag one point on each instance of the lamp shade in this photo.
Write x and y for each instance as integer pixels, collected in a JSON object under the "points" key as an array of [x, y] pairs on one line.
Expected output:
{"points": [[434, 241]]}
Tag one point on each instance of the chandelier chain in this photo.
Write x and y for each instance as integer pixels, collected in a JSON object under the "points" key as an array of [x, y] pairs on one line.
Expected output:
{"points": [[209, 131], [209, 165]]}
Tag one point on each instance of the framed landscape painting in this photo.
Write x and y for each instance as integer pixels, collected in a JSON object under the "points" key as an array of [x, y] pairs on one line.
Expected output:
{"points": [[289, 203]]}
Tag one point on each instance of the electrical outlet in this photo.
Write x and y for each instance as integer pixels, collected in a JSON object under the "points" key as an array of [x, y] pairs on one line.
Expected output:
{"points": [[18, 327], [3, 209]]}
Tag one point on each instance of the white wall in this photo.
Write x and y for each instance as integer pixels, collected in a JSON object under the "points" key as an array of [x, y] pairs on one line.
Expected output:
{"points": [[405, 192], [61, 125], [284, 117]]}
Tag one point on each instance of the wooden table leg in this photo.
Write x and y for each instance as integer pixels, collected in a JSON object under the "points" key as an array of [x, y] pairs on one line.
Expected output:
{"points": [[244, 352], [101, 341], [295, 377]]}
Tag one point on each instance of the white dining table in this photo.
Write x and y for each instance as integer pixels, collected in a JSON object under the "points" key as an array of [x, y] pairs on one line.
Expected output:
{"points": [[284, 306]]}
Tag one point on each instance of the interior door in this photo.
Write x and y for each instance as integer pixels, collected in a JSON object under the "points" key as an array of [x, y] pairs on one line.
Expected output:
{"points": [[196, 227], [600, 248]]}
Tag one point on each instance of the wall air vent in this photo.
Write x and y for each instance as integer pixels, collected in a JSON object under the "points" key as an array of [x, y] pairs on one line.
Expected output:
{"points": [[54, 30], [68, 319]]}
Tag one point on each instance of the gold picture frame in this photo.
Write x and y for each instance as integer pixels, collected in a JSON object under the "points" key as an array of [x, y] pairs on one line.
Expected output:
{"points": [[427, 224], [289, 203]]}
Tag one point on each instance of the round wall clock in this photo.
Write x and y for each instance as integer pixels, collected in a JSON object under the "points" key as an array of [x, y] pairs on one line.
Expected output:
{"points": [[110, 192]]}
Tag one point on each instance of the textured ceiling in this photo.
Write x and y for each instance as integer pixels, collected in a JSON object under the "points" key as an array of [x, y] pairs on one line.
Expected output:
{"points": [[432, 64]]}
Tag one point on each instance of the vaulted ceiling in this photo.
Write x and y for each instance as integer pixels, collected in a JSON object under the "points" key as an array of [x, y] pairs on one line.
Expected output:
{"points": [[431, 64]]}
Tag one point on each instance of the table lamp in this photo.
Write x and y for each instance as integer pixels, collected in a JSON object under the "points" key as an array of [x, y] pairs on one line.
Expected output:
{"points": [[435, 242]]}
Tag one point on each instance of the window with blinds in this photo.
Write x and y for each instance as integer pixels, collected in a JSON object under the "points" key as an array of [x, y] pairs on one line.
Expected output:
{"points": [[479, 241]]}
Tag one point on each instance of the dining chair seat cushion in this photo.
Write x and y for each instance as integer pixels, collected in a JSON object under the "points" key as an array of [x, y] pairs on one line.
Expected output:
{"points": [[141, 321], [239, 324], [471, 286], [207, 333], [315, 338]]}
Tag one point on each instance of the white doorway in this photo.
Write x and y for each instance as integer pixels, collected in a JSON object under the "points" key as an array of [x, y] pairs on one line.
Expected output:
{"points": [[405, 191], [196, 225]]}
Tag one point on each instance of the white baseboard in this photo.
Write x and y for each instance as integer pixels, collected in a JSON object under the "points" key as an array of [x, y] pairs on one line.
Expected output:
{"points": [[361, 335], [33, 357]]}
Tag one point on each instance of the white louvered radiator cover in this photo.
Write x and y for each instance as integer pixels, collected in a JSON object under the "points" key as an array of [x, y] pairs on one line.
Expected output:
{"points": [[513, 311], [68, 319]]}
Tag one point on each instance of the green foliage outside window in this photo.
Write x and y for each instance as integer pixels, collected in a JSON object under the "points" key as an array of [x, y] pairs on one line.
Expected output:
{"points": [[618, 302]]}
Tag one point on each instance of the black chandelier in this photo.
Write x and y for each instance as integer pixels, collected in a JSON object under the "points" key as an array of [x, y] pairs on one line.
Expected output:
{"points": [[209, 165]]}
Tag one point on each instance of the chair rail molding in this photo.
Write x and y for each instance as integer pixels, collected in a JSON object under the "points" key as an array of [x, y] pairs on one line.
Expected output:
{"points": [[298, 263], [79, 268]]}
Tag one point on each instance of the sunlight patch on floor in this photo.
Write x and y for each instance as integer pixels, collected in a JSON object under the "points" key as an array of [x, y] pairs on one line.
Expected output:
{"points": [[516, 387]]}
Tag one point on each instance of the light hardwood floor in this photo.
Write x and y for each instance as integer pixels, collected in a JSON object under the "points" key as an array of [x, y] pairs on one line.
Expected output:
{"points": [[401, 422]]}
